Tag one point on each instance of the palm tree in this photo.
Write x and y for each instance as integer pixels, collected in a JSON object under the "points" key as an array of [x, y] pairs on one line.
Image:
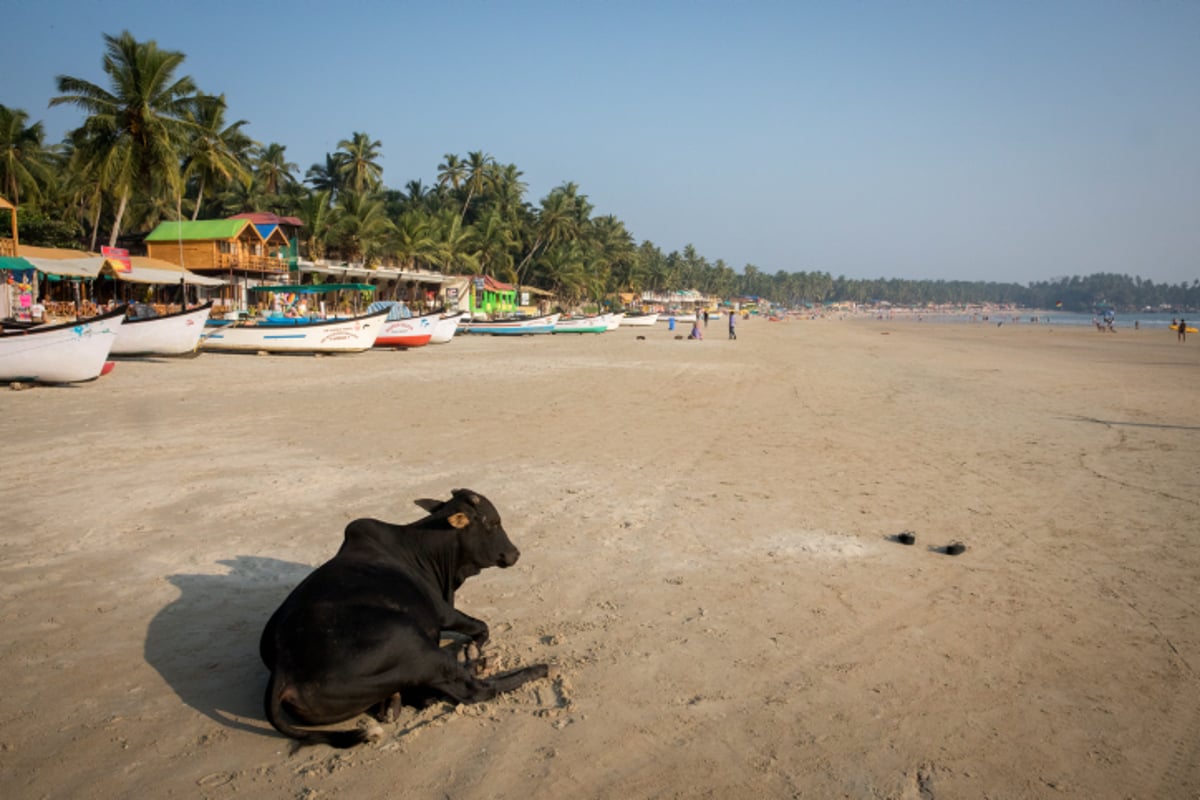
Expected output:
{"points": [[413, 242], [452, 171], [214, 152], [359, 167], [326, 177], [558, 221], [142, 122], [24, 159], [360, 226], [453, 244], [480, 167], [316, 212], [272, 170], [492, 243]]}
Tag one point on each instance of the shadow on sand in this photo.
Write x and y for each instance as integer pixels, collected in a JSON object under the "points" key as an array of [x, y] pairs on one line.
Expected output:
{"points": [[205, 644]]}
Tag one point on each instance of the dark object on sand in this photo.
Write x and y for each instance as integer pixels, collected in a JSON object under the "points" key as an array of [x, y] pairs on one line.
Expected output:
{"points": [[641, 338], [906, 537], [955, 548]]}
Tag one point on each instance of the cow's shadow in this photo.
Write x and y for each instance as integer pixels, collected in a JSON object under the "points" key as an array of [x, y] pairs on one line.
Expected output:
{"points": [[205, 643]]}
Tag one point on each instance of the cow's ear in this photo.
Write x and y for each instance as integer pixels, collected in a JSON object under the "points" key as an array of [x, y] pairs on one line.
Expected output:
{"points": [[459, 520], [429, 504]]}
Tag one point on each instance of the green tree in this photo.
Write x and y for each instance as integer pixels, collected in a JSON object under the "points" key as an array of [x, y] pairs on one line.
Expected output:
{"points": [[25, 162], [141, 121], [361, 227], [272, 171], [326, 177], [358, 163], [214, 154]]}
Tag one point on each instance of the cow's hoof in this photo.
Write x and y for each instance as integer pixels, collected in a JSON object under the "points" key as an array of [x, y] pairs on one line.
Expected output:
{"points": [[906, 537], [389, 710], [955, 548], [372, 733]]}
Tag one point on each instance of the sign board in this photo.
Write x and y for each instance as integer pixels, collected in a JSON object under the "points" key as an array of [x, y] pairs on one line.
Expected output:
{"points": [[452, 293], [119, 255], [524, 298], [479, 284]]}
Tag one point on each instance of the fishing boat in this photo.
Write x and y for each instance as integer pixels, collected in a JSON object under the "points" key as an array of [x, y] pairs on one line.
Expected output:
{"points": [[512, 326], [445, 328], [167, 335], [594, 324], [288, 335], [639, 320], [400, 330], [65, 353], [613, 319]]}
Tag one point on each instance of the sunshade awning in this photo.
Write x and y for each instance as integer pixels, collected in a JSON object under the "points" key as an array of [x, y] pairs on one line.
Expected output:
{"points": [[86, 267], [154, 270], [316, 288]]}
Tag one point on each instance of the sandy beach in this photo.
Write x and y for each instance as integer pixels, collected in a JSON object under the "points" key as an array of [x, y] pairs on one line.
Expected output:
{"points": [[708, 560]]}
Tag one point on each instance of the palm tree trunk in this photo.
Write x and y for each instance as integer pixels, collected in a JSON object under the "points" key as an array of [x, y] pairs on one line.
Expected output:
{"points": [[96, 222], [112, 242], [199, 199]]}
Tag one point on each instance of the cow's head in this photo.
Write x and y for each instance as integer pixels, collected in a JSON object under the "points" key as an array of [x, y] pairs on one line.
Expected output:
{"points": [[482, 540]]}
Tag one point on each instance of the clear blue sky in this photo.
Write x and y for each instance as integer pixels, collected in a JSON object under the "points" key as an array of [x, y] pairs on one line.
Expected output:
{"points": [[1007, 141]]}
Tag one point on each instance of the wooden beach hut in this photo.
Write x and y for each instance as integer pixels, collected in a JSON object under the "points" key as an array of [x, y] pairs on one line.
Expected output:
{"points": [[232, 249]]}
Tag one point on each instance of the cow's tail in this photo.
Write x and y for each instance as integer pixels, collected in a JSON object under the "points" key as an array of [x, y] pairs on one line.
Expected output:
{"points": [[273, 704]]}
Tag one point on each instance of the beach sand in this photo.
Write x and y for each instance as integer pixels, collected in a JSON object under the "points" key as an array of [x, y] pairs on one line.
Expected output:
{"points": [[708, 562]]}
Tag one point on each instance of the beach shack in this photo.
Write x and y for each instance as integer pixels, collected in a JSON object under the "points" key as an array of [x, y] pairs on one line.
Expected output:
{"points": [[491, 297], [281, 235], [232, 249]]}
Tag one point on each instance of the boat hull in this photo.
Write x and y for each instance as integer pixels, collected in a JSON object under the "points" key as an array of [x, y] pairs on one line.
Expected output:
{"points": [[410, 332], [352, 335], [445, 328], [596, 324], [512, 327], [172, 335], [639, 320], [67, 353]]}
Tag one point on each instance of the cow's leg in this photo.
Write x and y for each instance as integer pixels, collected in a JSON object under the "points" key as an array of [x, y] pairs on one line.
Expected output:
{"points": [[388, 710], [456, 682], [457, 621], [476, 629]]}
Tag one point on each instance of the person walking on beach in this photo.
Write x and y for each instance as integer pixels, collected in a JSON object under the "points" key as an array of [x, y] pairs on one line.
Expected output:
{"points": [[706, 317], [732, 319], [1182, 336]]}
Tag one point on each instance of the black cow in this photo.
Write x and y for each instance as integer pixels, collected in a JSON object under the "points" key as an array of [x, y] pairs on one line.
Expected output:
{"points": [[365, 627]]}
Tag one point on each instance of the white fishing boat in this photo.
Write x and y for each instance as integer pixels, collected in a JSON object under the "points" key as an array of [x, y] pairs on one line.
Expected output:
{"points": [[287, 335], [446, 327], [65, 353], [402, 328], [168, 335], [613, 319], [638, 320], [513, 326], [597, 323]]}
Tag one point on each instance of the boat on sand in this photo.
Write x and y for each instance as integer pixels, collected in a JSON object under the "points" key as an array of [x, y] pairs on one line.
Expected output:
{"points": [[64, 353], [511, 326], [168, 335], [593, 324], [288, 335]]}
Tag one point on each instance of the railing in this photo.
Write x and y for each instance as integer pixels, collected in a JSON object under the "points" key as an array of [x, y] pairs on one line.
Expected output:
{"points": [[8, 247], [252, 263]]}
